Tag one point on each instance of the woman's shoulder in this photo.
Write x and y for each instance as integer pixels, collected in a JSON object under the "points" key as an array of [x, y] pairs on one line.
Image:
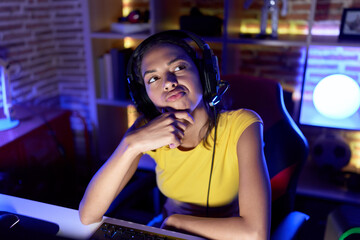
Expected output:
{"points": [[233, 123], [242, 114]]}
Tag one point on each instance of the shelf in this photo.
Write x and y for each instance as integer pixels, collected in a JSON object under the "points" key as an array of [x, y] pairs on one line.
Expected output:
{"points": [[113, 35], [333, 41], [105, 34], [283, 40]]}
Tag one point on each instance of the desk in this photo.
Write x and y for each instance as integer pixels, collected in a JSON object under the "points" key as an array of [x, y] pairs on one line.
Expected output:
{"points": [[318, 194], [67, 219], [343, 222], [37, 138], [37, 157], [314, 182]]}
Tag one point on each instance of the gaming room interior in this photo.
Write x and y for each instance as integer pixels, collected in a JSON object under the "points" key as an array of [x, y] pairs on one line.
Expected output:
{"points": [[65, 105]]}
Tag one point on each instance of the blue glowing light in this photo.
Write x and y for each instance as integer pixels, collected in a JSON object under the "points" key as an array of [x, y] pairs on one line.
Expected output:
{"points": [[337, 96]]}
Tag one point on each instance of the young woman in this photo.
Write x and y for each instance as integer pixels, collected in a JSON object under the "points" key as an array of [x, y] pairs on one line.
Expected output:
{"points": [[219, 191]]}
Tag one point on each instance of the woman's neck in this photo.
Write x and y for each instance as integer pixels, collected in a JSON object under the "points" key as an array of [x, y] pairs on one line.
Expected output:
{"points": [[195, 133]]}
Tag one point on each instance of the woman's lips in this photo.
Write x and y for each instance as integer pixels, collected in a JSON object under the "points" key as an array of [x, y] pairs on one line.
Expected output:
{"points": [[175, 96]]}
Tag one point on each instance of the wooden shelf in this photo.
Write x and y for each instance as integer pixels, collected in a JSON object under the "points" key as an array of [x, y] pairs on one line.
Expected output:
{"points": [[113, 35], [283, 40], [333, 41]]}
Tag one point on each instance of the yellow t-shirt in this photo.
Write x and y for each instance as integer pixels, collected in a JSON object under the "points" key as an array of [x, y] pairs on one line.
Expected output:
{"points": [[184, 175]]}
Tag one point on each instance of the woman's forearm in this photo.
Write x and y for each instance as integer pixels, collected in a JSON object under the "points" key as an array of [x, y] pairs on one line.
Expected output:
{"points": [[108, 182], [219, 228], [165, 130]]}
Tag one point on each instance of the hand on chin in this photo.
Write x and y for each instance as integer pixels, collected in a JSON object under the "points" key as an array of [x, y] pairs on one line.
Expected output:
{"points": [[166, 110], [173, 109]]}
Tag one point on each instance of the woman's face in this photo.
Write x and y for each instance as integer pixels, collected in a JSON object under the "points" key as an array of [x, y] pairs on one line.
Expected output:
{"points": [[171, 78]]}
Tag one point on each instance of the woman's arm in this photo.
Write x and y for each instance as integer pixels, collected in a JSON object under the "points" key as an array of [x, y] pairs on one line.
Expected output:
{"points": [[111, 178], [254, 197], [107, 183], [254, 182]]}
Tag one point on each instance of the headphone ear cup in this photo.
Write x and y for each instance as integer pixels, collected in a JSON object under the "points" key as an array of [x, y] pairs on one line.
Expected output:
{"points": [[138, 93], [211, 75]]}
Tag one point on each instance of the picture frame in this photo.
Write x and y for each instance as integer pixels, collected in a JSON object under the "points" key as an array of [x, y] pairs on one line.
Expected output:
{"points": [[350, 24]]}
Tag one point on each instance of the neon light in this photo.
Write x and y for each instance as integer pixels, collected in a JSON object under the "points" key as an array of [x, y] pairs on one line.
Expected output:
{"points": [[325, 31], [349, 232], [326, 28], [295, 27]]}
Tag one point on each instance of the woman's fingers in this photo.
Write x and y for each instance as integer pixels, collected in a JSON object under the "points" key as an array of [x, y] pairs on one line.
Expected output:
{"points": [[178, 135], [166, 130], [183, 115]]}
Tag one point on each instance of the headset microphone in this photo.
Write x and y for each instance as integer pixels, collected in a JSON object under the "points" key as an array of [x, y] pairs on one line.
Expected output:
{"points": [[222, 88]]}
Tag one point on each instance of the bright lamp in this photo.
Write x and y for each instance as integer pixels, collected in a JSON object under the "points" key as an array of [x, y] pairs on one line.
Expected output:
{"points": [[337, 96], [7, 122]]}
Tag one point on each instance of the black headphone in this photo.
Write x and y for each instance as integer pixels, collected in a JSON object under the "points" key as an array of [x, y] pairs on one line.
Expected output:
{"points": [[213, 89]]}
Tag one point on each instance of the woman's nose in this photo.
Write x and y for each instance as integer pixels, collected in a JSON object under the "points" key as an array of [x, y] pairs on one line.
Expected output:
{"points": [[170, 82]]}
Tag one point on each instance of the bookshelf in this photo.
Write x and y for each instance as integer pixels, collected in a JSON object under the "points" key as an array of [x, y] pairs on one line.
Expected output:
{"points": [[231, 48]]}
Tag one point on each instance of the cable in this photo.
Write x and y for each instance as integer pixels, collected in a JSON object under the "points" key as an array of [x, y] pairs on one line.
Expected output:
{"points": [[212, 165]]}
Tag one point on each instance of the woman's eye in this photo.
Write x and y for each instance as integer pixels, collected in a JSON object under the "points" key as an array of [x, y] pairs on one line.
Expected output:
{"points": [[152, 79], [178, 68]]}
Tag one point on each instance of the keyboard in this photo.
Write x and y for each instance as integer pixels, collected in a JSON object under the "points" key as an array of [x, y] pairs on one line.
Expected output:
{"points": [[112, 231]]}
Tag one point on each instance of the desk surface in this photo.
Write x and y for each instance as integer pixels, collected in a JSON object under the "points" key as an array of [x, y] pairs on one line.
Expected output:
{"points": [[67, 219], [316, 183], [30, 119]]}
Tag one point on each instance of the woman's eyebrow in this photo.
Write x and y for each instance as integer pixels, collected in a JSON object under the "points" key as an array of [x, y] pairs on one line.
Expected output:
{"points": [[177, 58], [148, 71]]}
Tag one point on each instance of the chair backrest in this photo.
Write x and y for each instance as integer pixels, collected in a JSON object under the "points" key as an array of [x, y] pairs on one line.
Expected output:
{"points": [[285, 148]]}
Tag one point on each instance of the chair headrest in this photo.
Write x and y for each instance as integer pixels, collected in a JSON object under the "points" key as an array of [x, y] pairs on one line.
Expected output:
{"points": [[262, 95]]}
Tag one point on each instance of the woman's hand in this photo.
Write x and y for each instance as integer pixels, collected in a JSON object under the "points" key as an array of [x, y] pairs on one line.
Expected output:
{"points": [[172, 222], [167, 129], [167, 223]]}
